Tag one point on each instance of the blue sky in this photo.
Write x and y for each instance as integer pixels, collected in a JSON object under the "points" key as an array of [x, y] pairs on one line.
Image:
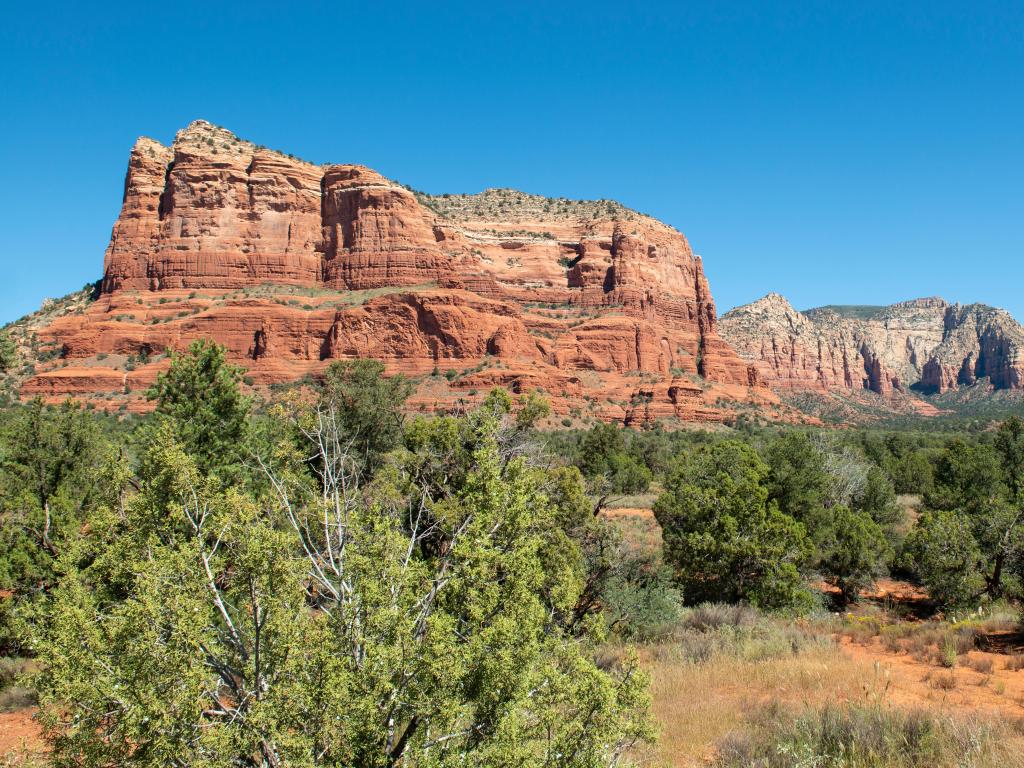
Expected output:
{"points": [[834, 152]]}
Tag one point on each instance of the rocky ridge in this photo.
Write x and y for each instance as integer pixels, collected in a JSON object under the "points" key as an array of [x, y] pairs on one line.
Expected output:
{"points": [[923, 346], [292, 265]]}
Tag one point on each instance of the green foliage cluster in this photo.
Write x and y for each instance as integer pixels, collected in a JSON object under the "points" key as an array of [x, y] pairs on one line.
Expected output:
{"points": [[969, 544], [606, 453], [49, 461], [726, 539], [199, 397], [841, 488], [8, 352], [746, 523], [321, 583]]}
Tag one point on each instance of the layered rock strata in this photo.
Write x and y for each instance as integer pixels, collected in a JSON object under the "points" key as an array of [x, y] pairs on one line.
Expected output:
{"points": [[926, 345], [292, 265]]}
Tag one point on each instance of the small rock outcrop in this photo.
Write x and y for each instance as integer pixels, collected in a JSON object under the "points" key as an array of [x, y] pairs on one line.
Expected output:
{"points": [[926, 345]]}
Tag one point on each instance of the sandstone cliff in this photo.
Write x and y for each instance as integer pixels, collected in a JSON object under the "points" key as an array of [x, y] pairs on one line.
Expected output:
{"points": [[925, 345], [291, 265]]}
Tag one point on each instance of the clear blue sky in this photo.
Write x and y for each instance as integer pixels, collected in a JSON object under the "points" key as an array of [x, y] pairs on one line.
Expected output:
{"points": [[860, 152]]}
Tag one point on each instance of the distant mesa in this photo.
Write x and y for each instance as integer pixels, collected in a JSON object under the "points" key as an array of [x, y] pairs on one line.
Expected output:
{"points": [[924, 345]]}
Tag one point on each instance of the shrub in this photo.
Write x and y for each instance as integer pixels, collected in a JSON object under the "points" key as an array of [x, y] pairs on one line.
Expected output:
{"points": [[641, 601], [856, 552], [947, 558], [712, 616], [982, 664], [446, 614], [947, 653], [17, 697], [943, 681], [861, 736], [11, 670]]}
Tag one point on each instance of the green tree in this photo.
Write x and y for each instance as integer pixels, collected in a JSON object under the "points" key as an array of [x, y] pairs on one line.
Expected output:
{"points": [[627, 474], [856, 553], [1009, 445], [49, 462], [968, 476], [877, 498], [977, 482], [406, 622], [947, 557], [367, 405], [847, 504], [200, 396], [8, 352], [913, 472], [798, 482], [533, 408], [633, 591], [603, 453], [724, 537], [597, 447]]}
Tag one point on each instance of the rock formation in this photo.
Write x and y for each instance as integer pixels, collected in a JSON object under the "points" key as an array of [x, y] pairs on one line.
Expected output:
{"points": [[292, 265], [926, 345]]}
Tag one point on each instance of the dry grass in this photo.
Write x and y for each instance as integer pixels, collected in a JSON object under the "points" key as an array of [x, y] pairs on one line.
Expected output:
{"points": [[942, 681], [724, 665], [868, 736], [982, 665], [725, 662], [698, 704]]}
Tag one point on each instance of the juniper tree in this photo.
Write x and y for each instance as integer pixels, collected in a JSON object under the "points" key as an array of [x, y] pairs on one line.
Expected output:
{"points": [[723, 536], [199, 396], [416, 619]]}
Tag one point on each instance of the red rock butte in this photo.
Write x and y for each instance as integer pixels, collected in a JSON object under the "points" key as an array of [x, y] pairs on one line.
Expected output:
{"points": [[291, 265]]}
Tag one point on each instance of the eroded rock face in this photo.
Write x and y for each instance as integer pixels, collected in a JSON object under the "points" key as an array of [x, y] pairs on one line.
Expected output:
{"points": [[374, 233], [925, 344], [213, 211], [978, 342], [291, 265]]}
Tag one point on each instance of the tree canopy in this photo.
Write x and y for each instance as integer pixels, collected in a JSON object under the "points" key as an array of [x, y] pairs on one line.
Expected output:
{"points": [[409, 598]]}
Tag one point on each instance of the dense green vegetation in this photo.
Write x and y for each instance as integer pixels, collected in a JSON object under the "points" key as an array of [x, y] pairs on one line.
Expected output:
{"points": [[318, 583], [753, 510], [8, 352], [321, 580]]}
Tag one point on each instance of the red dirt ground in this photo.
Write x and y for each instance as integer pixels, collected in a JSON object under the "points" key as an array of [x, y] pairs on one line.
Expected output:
{"points": [[19, 732]]}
